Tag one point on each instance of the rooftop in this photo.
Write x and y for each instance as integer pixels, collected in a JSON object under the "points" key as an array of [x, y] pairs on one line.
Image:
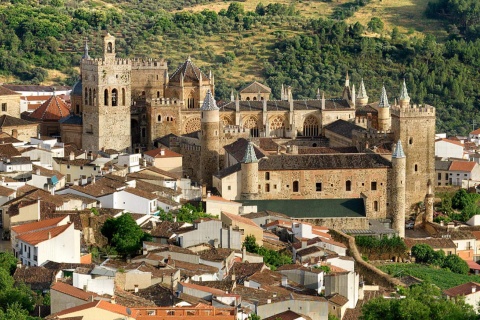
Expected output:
{"points": [[463, 289], [343, 128]]}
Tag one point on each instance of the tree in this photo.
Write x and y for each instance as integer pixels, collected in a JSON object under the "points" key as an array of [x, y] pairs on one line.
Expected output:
{"points": [[250, 244], [8, 262], [456, 264], [124, 234], [375, 25], [422, 253], [253, 316], [235, 9], [461, 199]]}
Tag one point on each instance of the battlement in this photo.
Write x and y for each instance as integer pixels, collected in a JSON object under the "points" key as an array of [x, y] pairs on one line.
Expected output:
{"points": [[372, 134], [149, 63], [165, 102], [413, 111], [102, 62], [232, 129]]}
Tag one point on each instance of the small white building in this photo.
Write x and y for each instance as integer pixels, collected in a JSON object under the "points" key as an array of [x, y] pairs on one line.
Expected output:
{"points": [[53, 239], [132, 161], [445, 148], [469, 292]]}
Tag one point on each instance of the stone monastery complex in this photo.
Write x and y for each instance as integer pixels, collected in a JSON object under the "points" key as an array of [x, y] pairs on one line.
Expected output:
{"points": [[251, 148]]}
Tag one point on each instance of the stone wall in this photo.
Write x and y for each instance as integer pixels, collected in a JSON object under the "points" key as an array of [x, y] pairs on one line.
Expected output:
{"points": [[339, 223], [370, 273]]}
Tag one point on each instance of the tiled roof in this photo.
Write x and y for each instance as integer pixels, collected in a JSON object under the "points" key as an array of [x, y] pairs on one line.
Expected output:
{"points": [[8, 151], [466, 166], [458, 143], [37, 278], [266, 213], [435, 243], [158, 294], [192, 269], [189, 72], [215, 254], [476, 131], [282, 105], [28, 227], [100, 188], [72, 291], [161, 172], [157, 153], [9, 121], [323, 161], [46, 172], [337, 299], [326, 150], [286, 315], [141, 193], [102, 304], [202, 288], [35, 88], [229, 170], [442, 165], [5, 192], [238, 218], [35, 238], [462, 290], [52, 109], [7, 92], [209, 103], [344, 128], [246, 269], [268, 144], [309, 250], [256, 87]]}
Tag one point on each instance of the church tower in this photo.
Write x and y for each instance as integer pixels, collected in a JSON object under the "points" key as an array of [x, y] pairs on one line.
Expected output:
{"points": [[106, 100], [249, 173], [383, 109], [210, 139], [398, 189], [415, 127]]}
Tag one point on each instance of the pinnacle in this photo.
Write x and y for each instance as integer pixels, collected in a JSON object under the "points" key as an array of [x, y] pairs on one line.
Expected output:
{"points": [[404, 92], [362, 93], [383, 99], [398, 152], [250, 156], [209, 102]]}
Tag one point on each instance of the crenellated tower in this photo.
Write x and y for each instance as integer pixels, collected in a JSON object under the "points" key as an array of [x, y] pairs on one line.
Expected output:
{"points": [[397, 189], [106, 97], [210, 139]]}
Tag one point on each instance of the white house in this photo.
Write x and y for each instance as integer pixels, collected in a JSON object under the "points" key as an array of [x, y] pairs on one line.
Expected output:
{"points": [[445, 148], [132, 161], [463, 170], [53, 239], [474, 136], [46, 179], [469, 291]]}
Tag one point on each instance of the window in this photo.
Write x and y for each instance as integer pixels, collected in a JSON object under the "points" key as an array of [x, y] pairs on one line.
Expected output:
{"points": [[114, 97], [373, 185], [295, 186], [318, 186], [81, 167], [375, 205], [267, 187], [158, 93], [69, 177], [4, 106], [348, 185], [275, 186], [410, 141], [123, 96], [267, 175], [439, 176], [229, 188], [105, 97], [416, 168], [144, 132], [159, 118], [109, 47]]}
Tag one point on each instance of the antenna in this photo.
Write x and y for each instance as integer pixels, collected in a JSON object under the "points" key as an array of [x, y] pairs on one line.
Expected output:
{"points": [[473, 125]]}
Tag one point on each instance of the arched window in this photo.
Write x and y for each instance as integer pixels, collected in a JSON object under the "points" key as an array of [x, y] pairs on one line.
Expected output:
{"points": [[86, 96], [109, 47], [94, 96], [267, 175], [416, 167], [310, 126], [254, 98], [248, 98], [158, 94], [159, 118], [348, 185], [114, 97], [123, 97], [90, 97], [410, 141], [190, 101], [295, 186], [105, 97], [251, 123]]}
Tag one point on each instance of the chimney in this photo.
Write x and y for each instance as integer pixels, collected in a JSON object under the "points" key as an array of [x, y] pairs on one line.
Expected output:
{"points": [[234, 278], [112, 300], [209, 194], [284, 281], [19, 264], [37, 172], [162, 152], [269, 301], [14, 133], [84, 287], [136, 288], [49, 235], [244, 254], [304, 243], [93, 178], [71, 156]]}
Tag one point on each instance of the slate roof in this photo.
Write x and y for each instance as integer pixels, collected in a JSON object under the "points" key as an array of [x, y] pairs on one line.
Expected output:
{"points": [[398, 152], [383, 99], [229, 170], [364, 110], [52, 109], [256, 87], [404, 92], [344, 128], [72, 118], [209, 103], [323, 162], [312, 208], [189, 71], [9, 121], [238, 149], [77, 88], [7, 92], [282, 105], [442, 165]]}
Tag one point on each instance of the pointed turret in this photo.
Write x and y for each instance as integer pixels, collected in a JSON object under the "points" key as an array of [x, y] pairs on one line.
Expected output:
{"points": [[250, 155], [319, 96], [282, 93], [347, 80], [362, 97], [323, 100], [383, 99], [398, 189], [209, 103], [353, 101], [232, 97], [404, 97], [85, 51]]}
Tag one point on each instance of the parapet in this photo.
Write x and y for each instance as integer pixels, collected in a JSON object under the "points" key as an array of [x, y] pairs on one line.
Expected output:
{"points": [[414, 111], [149, 63], [102, 62], [232, 129]]}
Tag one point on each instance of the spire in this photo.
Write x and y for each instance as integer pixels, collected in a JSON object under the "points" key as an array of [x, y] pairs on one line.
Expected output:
{"points": [[250, 156], [319, 96], [398, 152], [85, 50], [362, 93], [232, 96], [383, 99], [347, 80], [404, 92], [353, 95], [209, 103]]}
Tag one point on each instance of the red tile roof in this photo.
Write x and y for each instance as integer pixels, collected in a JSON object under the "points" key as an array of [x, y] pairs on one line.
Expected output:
{"points": [[72, 291], [52, 109], [462, 166], [463, 289], [203, 288], [35, 237], [167, 153], [477, 131], [28, 227], [101, 304], [236, 217], [450, 141]]}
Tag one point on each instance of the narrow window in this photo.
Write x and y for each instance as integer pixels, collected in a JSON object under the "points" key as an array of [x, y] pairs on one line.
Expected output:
{"points": [[159, 118], [123, 97], [267, 187], [439, 176], [105, 97], [114, 97], [267, 175], [348, 185], [416, 168], [375, 205], [90, 97], [410, 141], [373, 185], [295, 186], [318, 186], [4, 107]]}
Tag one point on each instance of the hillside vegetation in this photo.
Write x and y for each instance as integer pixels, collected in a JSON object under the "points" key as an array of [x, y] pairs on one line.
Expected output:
{"points": [[305, 44]]}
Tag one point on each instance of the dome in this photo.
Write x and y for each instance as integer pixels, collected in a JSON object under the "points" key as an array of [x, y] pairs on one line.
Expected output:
{"points": [[77, 88]]}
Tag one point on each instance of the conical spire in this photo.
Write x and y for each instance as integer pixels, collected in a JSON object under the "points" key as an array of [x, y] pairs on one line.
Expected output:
{"points": [[209, 102], [362, 93], [347, 80], [250, 156], [383, 99], [404, 92], [398, 152], [85, 51]]}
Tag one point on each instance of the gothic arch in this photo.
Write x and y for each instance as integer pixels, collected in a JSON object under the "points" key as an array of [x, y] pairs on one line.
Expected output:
{"points": [[191, 100], [310, 126], [277, 126], [226, 120], [251, 122], [192, 125]]}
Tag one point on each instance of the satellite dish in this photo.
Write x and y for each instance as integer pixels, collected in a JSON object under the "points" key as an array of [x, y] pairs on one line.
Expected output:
{"points": [[129, 312]]}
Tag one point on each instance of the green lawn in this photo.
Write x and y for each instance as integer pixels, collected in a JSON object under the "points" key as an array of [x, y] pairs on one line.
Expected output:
{"points": [[443, 278]]}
